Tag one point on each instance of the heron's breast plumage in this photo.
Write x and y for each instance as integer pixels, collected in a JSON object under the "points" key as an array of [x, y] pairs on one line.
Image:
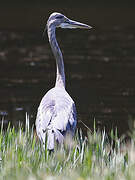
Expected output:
{"points": [[56, 111]]}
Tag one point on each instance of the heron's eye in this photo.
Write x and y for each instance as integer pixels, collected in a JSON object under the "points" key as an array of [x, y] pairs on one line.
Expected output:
{"points": [[59, 17]]}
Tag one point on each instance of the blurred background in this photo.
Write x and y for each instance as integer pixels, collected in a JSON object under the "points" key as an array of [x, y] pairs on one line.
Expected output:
{"points": [[99, 64]]}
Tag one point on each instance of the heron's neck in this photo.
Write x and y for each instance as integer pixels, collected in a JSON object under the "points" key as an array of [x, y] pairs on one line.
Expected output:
{"points": [[60, 76]]}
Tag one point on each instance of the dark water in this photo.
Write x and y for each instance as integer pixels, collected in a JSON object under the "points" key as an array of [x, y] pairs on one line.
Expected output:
{"points": [[100, 74]]}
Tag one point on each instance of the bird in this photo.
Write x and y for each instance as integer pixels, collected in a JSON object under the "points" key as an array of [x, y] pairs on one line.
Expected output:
{"points": [[56, 114]]}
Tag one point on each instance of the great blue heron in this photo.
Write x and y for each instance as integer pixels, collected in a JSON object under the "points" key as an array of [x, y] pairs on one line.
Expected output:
{"points": [[57, 112]]}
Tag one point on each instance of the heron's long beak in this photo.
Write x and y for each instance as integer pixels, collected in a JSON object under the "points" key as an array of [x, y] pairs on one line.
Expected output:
{"points": [[74, 24]]}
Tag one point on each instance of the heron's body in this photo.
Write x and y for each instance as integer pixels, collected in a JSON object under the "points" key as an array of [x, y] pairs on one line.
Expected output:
{"points": [[57, 113]]}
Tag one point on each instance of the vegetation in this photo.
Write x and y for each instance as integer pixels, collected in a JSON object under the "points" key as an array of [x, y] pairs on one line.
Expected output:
{"points": [[93, 157]]}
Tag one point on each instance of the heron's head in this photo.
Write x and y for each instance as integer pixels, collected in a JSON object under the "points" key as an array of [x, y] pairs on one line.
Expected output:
{"points": [[59, 20]]}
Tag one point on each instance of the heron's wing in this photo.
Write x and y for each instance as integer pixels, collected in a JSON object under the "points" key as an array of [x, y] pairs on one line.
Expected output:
{"points": [[45, 113], [65, 115]]}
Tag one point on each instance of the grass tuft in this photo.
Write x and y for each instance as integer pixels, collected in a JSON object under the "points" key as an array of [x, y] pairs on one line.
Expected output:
{"points": [[93, 157]]}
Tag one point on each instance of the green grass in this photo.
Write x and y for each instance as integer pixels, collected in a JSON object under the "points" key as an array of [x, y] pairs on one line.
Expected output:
{"points": [[95, 157]]}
